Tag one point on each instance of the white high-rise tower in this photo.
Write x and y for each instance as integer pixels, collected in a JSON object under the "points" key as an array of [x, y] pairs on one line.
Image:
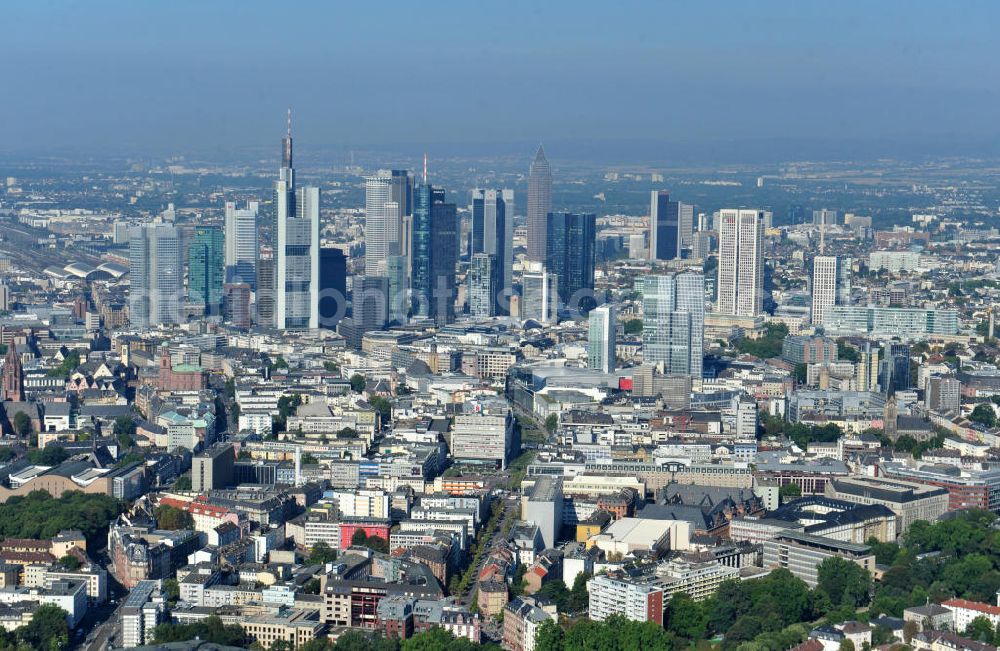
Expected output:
{"points": [[241, 243], [601, 339], [741, 262]]}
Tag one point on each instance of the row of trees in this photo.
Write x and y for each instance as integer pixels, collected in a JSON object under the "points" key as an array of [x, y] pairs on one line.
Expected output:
{"points": [[39, 515]]}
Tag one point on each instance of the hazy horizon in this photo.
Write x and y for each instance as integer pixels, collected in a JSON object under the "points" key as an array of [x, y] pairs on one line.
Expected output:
{"points": [[636, 82]]}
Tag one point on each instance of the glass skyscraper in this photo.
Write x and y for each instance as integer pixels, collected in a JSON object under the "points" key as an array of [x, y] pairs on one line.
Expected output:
{"points": [[156, 276], [673, 324], [206, 269], [601, 338], [539, 205], [570, 256], [664, 227], [435, 252]]}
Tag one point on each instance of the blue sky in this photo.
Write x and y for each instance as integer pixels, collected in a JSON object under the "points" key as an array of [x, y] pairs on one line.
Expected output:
{"points": [[185, 75]]}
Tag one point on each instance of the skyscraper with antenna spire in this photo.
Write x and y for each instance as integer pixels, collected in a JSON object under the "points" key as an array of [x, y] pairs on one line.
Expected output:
{"points": [[539, 205], [296, 246]]}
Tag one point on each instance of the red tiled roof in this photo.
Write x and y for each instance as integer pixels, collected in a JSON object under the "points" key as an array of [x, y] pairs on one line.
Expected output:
{"points": [[972, 605]]}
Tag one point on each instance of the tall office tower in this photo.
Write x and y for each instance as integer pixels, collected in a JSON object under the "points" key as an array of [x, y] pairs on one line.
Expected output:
{"points": [[824, 217], [540, 295], [673, 322], [570, 256], [741, 262], [493, 233], [601, 338], [539, 205], [664, 227], [395, 273], [296, 305], [388, 198], [206, 269], [369, 303], [831, 285], [483, 285], [332, 287], [895, 368], [866, 371], [685, 224], [435, 252], [242, 249], [284, 187], [236, 304], [156, 275], [265, 294], [5, 297]]}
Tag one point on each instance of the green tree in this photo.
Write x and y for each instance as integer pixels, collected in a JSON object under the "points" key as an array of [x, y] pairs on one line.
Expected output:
{"points": [[51, 455], [686, 618], [383, 407], [789, 491], [801, 373], [984, 415], [551, 423], [172, 590], [358, 383], [845, 582], [322, 553], [70, 562], [22, 424], [172, 518], [47, 629], [633, 327], [549, 637], [846, 645], [66, 366], [183, 483], [980, 629]]}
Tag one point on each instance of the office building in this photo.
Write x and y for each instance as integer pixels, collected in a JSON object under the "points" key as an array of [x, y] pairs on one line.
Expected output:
{"points": [[388, 198], [399, 302], [673, 326], [540, 294], [890, 321], [539, 206], [802, 554], [824, 217], [236, 304], [601, 339], [242, 248], [685, 224], [800, 349], [910, 501], [206, 269], [570, 256], [493, 231], [831, 285], [894, 371], [741, 262], [155, 275], [435, 252], [484, 285], [664, 227], [488, 435], [332, 287], [213, 468], [297, 264], [265, 295], [369, 308]]}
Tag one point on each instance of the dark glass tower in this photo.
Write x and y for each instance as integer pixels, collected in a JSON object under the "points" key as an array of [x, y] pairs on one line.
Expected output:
{"points": [[664, 227], [332, 287], [570, 256], [435, 248]]}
